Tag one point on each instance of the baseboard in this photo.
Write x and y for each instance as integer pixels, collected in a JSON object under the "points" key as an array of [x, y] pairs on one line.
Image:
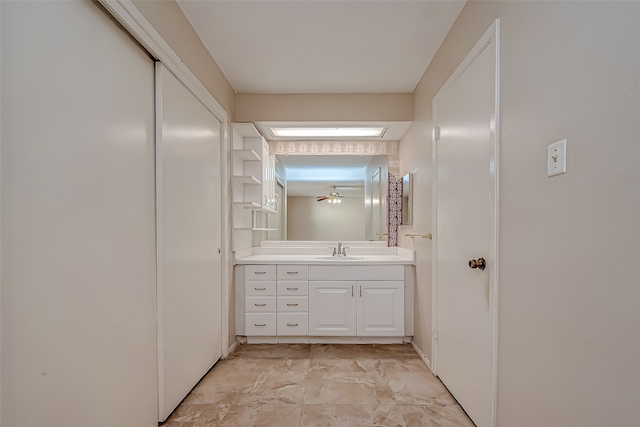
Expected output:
{"points": [[232, 347], [422, 356], [322, 340]]}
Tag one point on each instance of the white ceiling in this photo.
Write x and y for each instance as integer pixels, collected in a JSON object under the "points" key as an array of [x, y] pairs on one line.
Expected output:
{"points": [[345, 46]]}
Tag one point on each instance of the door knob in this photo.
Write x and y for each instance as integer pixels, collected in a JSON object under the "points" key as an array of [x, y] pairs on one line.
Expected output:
{"points": [[478, 263]]}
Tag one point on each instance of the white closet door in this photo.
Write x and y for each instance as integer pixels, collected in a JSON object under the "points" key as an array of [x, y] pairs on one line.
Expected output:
{"points": [[78, 228], [189, 215]]}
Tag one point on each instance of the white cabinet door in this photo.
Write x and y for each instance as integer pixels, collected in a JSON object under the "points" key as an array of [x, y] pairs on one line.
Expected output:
{"points": [[380, 308], [332, 308]]}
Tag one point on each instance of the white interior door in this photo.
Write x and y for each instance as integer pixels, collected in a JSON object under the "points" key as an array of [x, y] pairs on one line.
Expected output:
{"points": [[78, 229], [465, 113], [189, 240]]}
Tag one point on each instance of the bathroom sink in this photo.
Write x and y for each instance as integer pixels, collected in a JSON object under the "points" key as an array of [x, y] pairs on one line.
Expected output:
{"points": [[340, 258]]}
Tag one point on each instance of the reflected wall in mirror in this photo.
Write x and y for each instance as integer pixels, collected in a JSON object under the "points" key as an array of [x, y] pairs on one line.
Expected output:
{"points": [[330, 197], [407, 199]]}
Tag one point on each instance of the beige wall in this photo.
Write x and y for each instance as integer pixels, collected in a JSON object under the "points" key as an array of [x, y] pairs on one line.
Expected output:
{"points": [[167, 18], [324, 107], [569, 294], [308, 219]]}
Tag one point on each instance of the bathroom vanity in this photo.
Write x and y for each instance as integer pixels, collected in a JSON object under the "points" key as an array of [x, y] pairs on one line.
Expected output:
{"points": [[302, 293]]}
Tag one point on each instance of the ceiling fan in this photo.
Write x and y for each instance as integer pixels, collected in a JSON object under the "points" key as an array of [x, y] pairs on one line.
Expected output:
{"points": [[332, 197]]}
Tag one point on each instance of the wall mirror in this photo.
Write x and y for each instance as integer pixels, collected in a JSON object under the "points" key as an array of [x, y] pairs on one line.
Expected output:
{"points": [[331, 197], [407, 199]]}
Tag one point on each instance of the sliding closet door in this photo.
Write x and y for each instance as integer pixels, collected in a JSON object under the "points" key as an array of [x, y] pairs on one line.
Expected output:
{"points": [[189, 215], [78, 220]]}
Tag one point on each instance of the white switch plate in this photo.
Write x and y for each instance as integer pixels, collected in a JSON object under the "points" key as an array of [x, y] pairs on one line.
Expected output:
{"points": [[557, 158]]}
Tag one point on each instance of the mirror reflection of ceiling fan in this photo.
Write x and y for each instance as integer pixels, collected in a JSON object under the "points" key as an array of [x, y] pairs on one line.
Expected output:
{"points": [[332, 197]]}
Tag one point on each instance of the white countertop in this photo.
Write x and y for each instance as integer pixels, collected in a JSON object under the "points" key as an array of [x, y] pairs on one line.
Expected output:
{"points": [[313, 259], [309, 254]]}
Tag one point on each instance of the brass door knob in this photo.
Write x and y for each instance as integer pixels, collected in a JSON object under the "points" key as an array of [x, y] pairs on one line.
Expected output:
{"points": [[478, 263]]}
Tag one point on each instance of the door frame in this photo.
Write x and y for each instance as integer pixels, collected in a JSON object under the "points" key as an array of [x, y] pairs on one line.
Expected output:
{"points": [[141, 29], [492, 35]]}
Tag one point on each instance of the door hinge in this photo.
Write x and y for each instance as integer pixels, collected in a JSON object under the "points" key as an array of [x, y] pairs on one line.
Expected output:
{"points": [[436, 133], [435, 333]]}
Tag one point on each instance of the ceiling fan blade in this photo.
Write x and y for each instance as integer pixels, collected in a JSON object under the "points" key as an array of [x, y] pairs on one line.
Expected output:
{"points": [[321, 198], [345, 197]]}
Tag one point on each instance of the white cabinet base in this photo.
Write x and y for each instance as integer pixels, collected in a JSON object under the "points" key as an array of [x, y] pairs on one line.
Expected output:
{"points": [[312, 306]]}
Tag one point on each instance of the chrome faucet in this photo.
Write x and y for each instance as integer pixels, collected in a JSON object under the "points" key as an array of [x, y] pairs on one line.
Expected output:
{"points": [[339, 250]]}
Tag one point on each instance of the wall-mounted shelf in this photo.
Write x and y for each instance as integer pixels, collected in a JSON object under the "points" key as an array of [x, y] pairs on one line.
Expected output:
{"points": [[252, 206], [246, 180], [247, 205], [256, 229], [246, 154], [252, 185]]}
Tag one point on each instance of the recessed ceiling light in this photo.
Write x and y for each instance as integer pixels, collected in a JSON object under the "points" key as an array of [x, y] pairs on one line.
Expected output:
{"points": [[328, 132]]}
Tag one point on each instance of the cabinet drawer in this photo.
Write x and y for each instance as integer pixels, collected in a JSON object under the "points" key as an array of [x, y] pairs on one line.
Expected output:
{"points": [[293, 304], [260, 324], [293, 272], [259, 272], [260, 304], [293, 288], [260, 288], [293, 324]]}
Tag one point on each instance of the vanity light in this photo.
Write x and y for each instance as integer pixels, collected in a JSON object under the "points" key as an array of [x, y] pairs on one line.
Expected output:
{"points": [[327, 132]]}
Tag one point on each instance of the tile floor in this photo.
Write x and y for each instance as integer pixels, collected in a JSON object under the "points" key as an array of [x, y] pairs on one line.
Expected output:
{"points": [[301, 385]]}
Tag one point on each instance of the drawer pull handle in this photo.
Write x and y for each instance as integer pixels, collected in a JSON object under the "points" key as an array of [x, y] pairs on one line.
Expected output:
{"points": [[292, 289], [259, 305], [260, 324], [292, 305], [292, 272], [292, 324], [260, 289], [260, 272]]}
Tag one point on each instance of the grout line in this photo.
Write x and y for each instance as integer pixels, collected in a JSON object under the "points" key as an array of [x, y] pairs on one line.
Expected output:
{"points": [[304, 393]]}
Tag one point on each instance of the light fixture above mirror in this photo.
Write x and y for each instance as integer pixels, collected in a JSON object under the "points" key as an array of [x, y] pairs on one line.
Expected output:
{"points": [[319, 132], [332, 131]]}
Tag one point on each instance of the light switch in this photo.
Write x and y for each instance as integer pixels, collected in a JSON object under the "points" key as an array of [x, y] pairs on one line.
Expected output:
{"points": [[557, 158]]}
